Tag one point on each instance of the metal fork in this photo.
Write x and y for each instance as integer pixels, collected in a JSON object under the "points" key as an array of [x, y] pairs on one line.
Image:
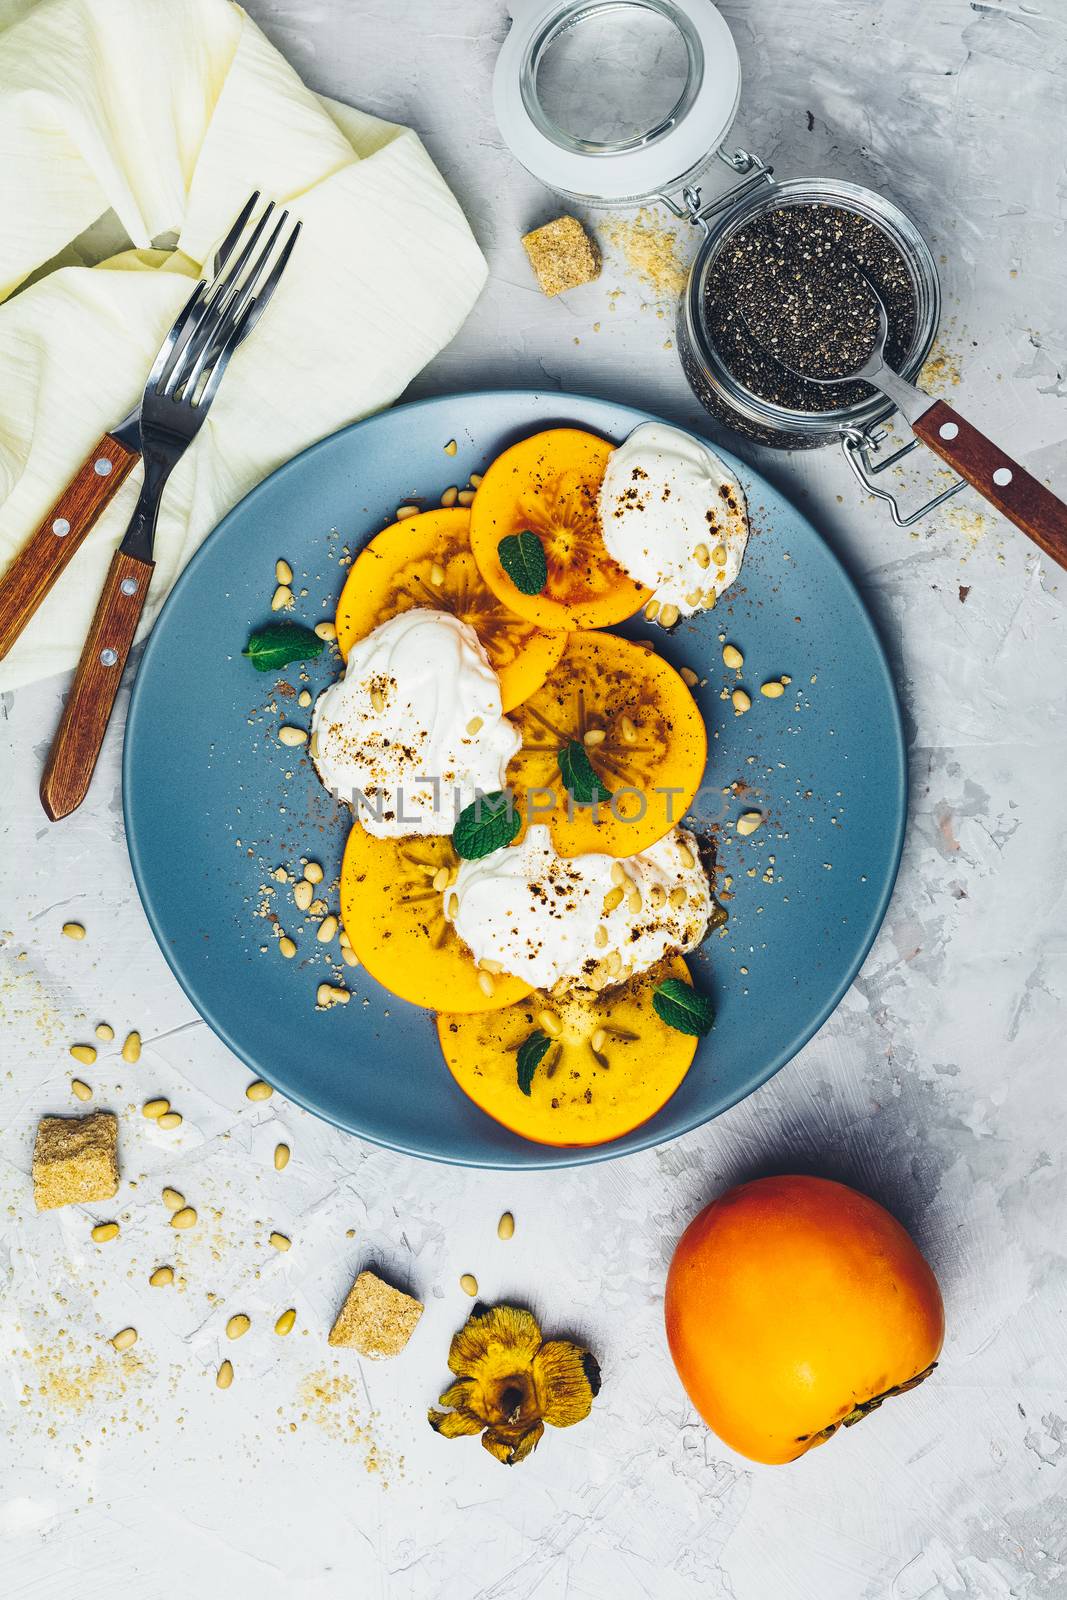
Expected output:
{"points": [[181, 386]]}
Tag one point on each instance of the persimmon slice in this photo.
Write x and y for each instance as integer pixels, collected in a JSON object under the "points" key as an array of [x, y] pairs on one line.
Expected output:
{"points": [[393, 917], [581, 1093], [549, 484], [641, 732], [426, 561]]}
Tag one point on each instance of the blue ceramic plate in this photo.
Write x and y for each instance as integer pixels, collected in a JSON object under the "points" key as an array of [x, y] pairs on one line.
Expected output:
{"points": [[214, 804]]}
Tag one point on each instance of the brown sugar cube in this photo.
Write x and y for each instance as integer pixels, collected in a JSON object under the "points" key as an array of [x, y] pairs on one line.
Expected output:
{"points": [[562, 254], [376, 1319], [75, 1160]]}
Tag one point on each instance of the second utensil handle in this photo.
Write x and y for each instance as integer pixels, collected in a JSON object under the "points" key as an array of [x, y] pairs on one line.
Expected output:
{"points": [[1006, 485], [80, 735], [59, 534]]}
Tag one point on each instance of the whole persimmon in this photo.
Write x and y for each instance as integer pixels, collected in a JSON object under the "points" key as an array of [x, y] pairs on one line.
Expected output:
{"points": [[794, 1306]]}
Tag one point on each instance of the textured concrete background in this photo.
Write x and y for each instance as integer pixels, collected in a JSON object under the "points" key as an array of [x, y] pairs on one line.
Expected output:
{"points": [[937, 1086]]}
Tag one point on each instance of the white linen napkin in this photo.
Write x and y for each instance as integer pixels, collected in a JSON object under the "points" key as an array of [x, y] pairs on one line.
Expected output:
{"points": [[169, 113]]}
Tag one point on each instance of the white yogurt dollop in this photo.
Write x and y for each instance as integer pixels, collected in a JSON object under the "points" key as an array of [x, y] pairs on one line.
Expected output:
{"points": [[673, 516], [543, 919], [414, 729]]}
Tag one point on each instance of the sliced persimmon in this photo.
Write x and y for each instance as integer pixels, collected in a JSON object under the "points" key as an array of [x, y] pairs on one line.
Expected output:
{"points": [[582, 1092], [549, 484], [640, 730], [426, 561], [393, 917]]}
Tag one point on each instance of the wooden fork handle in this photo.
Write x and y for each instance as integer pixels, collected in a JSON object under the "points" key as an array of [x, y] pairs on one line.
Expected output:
{"points": [[1006, 485], [47, 551], [80, 735]]}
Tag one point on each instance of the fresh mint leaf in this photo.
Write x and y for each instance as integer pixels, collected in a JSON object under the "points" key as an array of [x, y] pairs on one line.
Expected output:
{"points": [[487, 824], [678, 1004], [522, 556], [530, 1055], [579, 779], [274, 646]]}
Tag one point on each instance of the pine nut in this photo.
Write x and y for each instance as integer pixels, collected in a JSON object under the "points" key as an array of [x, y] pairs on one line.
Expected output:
{"points": [[131, 1050], [549, 1023], [732, 657], [313, 872], [466, 497], [285, 1322], [185, 1218], [325, 630], [440, 880], [437, 573], [600, 937], [327, 930], [505, 1228], [678, 897], [469, 1284], [599, 1039], [173, 1200], [80, 1090], [657, 895], [450, 496], [693, 598], [258, 1090], [238, 1326], [628, 731], [162, 1278], [292, 737], [702, 556], [785, 678], [283, 571], [668, 616], [475, 480], [494, 968], [474, 725], [487, 984], [452, 905], [105, 1031], [652, 610], [613, 899], [73, 930], [741, 701], [85, 1053], [282, 597], [450, 447], [224, 1376], [633, 900], [688, 676], [613, 962], [328, 994], [304, 698], [686, 856], [287, 947], [593, 736], [313, 745], [303, 894], [154, 1109], [169, 1120], [773, 690], [349, 957], [718, 555], [377, 698], [748, 822], [711, 599], [618, 872], [403, 512], [125, 1339], [104, 1231], [280, 1242]]}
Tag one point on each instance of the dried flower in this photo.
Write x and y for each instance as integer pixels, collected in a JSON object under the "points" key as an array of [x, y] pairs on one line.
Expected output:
{"points": [[510, 1382]]}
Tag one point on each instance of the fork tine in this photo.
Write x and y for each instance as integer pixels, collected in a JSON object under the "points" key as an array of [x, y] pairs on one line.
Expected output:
{"points": [[262, 299], [222, 359], [225, 249], [204, 331], [167, 348], [190, 371]]}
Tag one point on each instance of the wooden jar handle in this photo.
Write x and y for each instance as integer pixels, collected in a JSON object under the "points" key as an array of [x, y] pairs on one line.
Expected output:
{"points": [[1006, 485], [80, 735], [59, 534]]}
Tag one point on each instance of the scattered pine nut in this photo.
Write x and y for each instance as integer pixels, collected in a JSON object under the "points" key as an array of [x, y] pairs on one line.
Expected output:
{"points": [[349, 957], [281, 1157], [377, 698], [652, 610], [291, 736], [786, 679], [125, 1339], [282, 597], [474, 725], [450, 447], [549, 1023], [475, 479], [403, 512], [494, 968], [303, 894], [748, 822], [85, 1053], [238, 1326], [450, 496], [657, 894], [469, 1284], [328, 994], [73, 930], [173, 1200], [325, 630], [80, 1090], [224, 1376], [283, 571], [154, 1109], [304, 697], [633, 899], [600, 937], [689, 677], [732, 657], [280, 1242], [613, 899], [505, 1228], [285, 1322], [702, 556], [668, 616], [258, 1090], [313, 872], [162, 1278], [617, 873], [613, 963], [628, 731], [686, 856], [678, 897], [440, 880], [466, 497], [718, 555], [741, 701], [185, 1218], [131, 1049], [169, 1120], [287, 947], [693, 598], [105, 1031], [593, 736], [773, 689], [104, 1231], [327, 930], [487, 984]]}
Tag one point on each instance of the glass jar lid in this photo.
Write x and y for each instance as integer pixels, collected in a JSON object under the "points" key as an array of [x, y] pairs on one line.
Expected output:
{"points": [[610, 101]]}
